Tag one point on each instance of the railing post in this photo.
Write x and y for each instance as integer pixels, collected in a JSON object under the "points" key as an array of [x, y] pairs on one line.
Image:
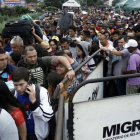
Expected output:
{"points": [[60, 116]]}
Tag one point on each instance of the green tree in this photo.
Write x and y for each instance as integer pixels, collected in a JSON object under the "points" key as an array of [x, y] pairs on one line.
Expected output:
{"points": [[28, 1]]}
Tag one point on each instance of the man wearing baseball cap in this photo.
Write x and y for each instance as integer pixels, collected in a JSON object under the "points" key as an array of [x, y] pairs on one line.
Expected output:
{"points": [[133, 84]]}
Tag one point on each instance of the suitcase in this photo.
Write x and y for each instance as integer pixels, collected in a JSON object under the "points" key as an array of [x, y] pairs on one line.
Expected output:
{"points": [[65, 21], [19, 27]]}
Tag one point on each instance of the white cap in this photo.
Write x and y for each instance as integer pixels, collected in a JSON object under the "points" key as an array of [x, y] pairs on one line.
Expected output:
{"points": [[131, 43]]}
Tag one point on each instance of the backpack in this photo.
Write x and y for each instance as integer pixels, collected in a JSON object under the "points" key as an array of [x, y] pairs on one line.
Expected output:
{"points": [[65, 21], [138, 68], [37, 90], [19, 27]]}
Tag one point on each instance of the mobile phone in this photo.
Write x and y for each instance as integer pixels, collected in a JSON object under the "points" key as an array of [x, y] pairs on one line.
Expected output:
{"points": [[29, 83]]}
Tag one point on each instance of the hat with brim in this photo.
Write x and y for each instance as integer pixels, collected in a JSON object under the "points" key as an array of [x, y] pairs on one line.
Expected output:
{"points": [[131, 43], [46, 45]]}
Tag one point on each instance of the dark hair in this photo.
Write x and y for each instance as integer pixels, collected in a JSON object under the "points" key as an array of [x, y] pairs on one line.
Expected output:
{"points": [[80, 47], [20, 73], [72, 27], [106, 32], [123, 37], [116, 32], [28, 39], [1, 42], [54, 79], [7, 99], [29, 48], [93, 23], [59, 53], [53, 40], [15, 56], [63, 40], [93, 29], [87, 33], [68, 53], [2, 51]]}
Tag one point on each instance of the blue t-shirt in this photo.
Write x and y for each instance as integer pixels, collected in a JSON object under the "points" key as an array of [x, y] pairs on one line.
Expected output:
{"points": [[8, 47], [24, 100]]}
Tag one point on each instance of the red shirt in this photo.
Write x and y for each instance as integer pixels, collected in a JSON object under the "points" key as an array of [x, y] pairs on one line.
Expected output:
{"points": [[17, 116]]}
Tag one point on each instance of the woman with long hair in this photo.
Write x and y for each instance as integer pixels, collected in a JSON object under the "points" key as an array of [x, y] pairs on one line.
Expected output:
{"points": [[54, 46], [14, 108], [82, 55]]}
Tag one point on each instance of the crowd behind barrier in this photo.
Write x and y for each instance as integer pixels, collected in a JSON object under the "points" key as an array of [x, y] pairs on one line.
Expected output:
{"points": [[37, 55]]}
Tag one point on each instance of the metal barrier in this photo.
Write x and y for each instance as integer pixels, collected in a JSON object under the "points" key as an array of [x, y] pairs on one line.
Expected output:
{"points": [[59, 124], [80, 66], [70, 108]]}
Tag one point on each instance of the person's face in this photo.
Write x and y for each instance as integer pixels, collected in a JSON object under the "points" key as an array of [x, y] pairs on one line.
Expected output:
{"points": [[61, 69], [128, 31], [93, 25], [121, 30], [115, 37], [31, 57], [65, 46], [121, 43], [102, 31], [79, 52], [71, 33], [107, 35], [20, 86], [119, 23], [53, 46], [103, 41], [11, 61], [130, 49], [83, 37], [99, 35], [138, 33], [48, 29], [15, 48], [3, 61], [92, 33]]}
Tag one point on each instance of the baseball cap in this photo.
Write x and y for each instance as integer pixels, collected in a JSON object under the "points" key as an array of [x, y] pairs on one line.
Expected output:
{"points": [[56, 38], [46, 45], [131, 43], [47, 25]]}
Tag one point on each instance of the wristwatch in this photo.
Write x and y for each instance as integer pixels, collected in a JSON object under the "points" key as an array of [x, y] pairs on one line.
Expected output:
{"points": [[70, 68]]}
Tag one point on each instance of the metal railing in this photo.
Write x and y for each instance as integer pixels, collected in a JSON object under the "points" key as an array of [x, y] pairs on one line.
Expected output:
{"points": [[70, 106], [59, 124], [78, 68]]}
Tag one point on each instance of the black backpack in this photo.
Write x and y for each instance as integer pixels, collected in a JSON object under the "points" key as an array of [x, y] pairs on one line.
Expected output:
{"points": [[65, 21], [19, 27]]}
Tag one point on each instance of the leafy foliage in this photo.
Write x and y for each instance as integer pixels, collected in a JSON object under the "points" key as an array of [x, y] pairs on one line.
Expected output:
{"points": [[28, 1], [51, 8], [15, 11]]}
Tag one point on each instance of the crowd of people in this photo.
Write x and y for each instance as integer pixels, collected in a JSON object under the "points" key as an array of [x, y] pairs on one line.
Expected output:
{"points": [[31, 67]]}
